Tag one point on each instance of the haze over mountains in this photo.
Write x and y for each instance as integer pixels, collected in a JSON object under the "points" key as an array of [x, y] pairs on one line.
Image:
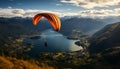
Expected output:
{"points": [[87, 26], [68, 24]]}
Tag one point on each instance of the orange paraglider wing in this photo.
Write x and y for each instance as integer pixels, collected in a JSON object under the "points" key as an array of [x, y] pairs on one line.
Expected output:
{"points": [[52, 18]]}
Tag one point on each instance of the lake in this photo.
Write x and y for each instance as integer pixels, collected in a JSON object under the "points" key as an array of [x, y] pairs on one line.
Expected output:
{"points": [[51, 41]]}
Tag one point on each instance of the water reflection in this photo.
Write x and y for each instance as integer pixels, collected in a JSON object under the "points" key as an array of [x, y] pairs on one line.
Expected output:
{"points": [[51, 41]]}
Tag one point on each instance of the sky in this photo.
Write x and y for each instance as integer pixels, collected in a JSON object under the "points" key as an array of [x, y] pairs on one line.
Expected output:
{"points": [[83, 8]]}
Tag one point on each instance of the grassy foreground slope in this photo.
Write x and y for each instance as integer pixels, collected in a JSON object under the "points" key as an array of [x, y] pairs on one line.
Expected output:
{"points": [[13, 63]]}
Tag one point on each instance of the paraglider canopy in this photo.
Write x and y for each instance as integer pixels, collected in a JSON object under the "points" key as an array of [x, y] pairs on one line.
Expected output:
{"points": [[52, 18]]}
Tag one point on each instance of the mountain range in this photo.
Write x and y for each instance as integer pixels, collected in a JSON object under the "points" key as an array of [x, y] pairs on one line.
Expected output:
{"points": [[24, 25], [106, 38]]}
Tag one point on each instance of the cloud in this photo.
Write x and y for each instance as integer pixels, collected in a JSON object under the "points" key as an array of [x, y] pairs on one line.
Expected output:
{"points": [[18, 11], [9, 7], [88, 4], [85, 13], [117, 10], [69, 9], [68, 14], [99, 13], [58, 4], [96, 12], [10, 12], [31, 13]]}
